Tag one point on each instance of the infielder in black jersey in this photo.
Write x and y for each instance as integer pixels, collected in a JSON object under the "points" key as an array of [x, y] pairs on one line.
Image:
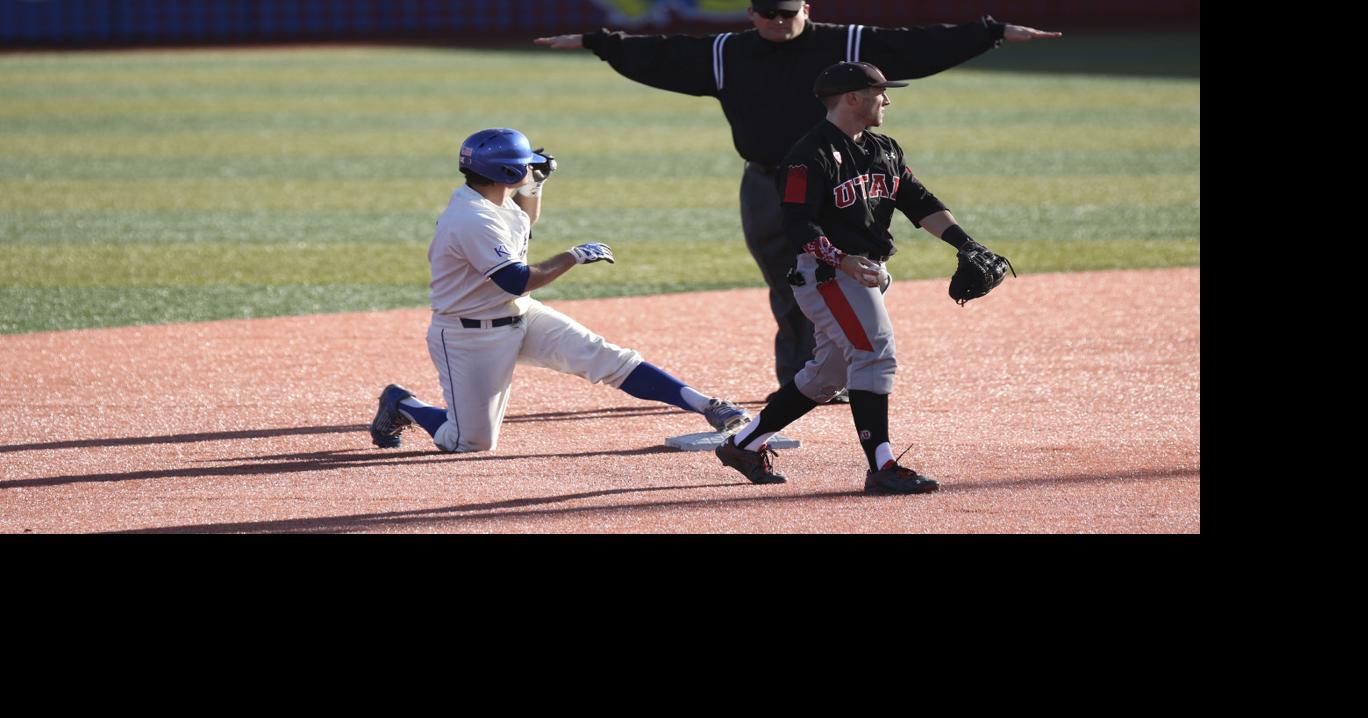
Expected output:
{"points": [[763, 79], [840, 184]]}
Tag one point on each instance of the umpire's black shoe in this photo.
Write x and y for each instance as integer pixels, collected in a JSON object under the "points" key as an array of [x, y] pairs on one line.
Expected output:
{"points": [[898, 480], [755, 466]]}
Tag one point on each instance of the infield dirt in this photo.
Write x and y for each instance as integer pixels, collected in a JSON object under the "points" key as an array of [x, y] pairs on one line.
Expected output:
{"points": [[1060, 403]]}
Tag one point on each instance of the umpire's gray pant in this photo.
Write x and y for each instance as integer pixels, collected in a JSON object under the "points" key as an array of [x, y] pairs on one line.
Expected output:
{"points": [[762, 222]]}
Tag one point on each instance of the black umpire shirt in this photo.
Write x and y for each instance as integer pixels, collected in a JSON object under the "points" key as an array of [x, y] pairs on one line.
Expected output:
{"points": [[766, 87], [835, 187]]}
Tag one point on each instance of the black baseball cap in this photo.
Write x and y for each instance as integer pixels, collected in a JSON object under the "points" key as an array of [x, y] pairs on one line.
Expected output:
{"points": [[764, 5], [850, 76]]}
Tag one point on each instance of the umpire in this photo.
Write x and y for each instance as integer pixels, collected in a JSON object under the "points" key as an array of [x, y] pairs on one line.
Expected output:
{"points": [[763, 78]]}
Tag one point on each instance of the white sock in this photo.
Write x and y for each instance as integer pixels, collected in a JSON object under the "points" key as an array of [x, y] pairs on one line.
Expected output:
{"points": [[694, 399], [761, 441], [883, 454], [743, 436]]}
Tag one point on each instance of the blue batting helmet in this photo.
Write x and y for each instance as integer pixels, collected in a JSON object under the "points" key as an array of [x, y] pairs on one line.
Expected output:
{"points": [[500, 154]]}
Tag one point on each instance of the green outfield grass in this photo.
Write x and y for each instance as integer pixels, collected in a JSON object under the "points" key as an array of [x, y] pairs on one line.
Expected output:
{"points": [[172, 186]]}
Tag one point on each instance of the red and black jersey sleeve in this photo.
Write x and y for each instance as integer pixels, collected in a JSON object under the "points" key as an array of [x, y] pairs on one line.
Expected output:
{"points": [[804, 191]]}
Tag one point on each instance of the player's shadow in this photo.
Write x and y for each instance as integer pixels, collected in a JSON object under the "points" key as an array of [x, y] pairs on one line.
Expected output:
{"points": [[311, 461], [457, 518], [197, 437], [336, 457], [184, 438], [388, 520], [603, 413]]}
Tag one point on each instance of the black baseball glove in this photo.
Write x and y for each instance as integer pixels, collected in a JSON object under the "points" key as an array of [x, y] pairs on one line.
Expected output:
{"points": [[979, 271], [542, 170]]}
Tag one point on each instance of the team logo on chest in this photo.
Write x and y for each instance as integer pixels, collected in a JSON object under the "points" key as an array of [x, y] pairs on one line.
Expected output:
{"points": [[867, 186]]}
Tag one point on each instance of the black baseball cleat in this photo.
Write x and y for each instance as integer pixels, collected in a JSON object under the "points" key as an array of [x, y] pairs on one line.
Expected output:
{"points": [[898, 480], [389, 423], [755, 466]]}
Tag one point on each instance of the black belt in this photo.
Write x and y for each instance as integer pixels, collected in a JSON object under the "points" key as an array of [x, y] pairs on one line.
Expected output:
{"points": [[477, 323], [763, 169]]}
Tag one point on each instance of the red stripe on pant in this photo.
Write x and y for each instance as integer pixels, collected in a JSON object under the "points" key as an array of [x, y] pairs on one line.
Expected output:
{"points": [[845, 315]]}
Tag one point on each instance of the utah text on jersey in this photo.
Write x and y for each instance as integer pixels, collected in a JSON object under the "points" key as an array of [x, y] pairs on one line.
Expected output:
{"points": [[871, 186]]}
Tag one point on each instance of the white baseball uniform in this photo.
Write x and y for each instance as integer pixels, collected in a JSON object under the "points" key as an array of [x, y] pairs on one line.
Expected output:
{"points": [[475, 358]]}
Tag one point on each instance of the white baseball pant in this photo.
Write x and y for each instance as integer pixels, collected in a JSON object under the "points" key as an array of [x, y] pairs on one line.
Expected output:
{"points": [[476, 368]]}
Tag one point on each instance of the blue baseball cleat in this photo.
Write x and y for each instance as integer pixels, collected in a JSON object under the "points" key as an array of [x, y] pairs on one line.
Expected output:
{"points": [[725, 416], [389, 423]]}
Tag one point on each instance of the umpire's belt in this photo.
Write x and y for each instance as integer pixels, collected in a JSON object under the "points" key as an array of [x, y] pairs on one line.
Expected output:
{"points": [[490, 323]]}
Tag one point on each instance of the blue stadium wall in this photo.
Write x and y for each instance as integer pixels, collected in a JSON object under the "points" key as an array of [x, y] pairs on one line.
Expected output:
{"points": [[93, 23]]}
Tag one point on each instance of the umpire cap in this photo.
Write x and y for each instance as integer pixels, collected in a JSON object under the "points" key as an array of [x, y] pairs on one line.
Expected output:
{"points": [[850, 76]]}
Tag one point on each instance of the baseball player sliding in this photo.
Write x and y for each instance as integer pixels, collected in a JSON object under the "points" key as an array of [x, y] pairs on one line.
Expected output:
{"points": [[839, 186], [484, 322]]}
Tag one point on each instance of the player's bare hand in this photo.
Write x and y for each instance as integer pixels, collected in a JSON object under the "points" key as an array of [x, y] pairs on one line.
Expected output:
{"points": [[1021, 33], [562, 42], [592, 252], [863, 270]]}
